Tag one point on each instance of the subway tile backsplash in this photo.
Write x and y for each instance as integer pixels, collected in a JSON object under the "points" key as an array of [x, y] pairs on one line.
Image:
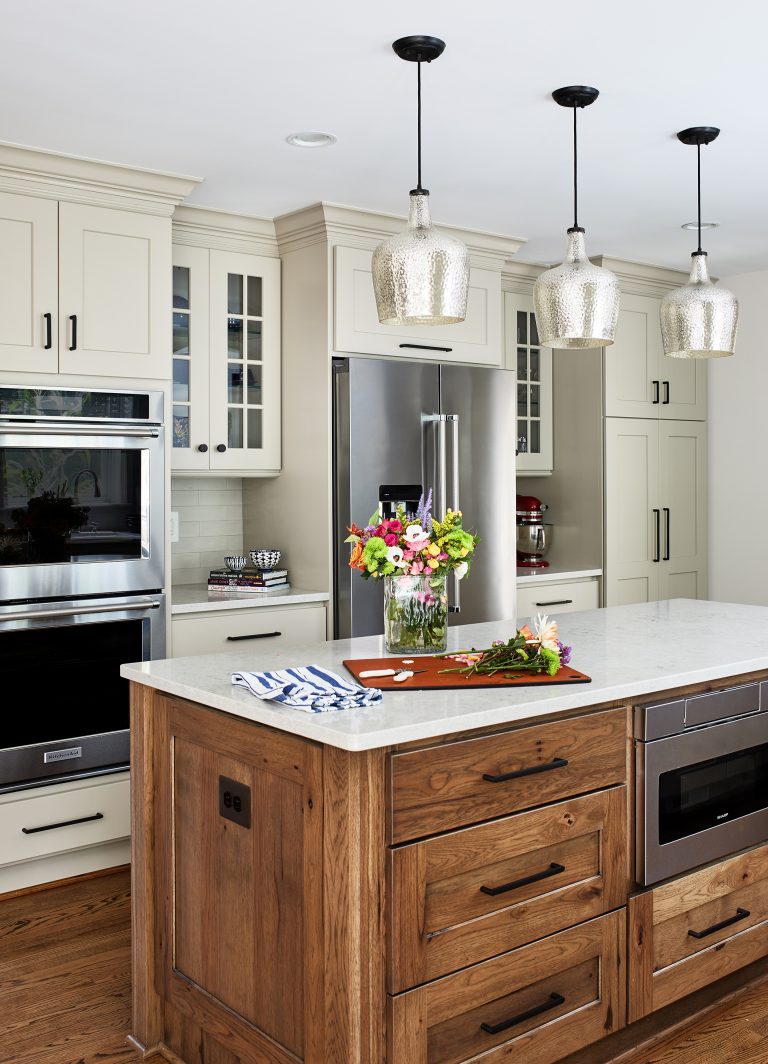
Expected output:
{"points": [[210, 513]]}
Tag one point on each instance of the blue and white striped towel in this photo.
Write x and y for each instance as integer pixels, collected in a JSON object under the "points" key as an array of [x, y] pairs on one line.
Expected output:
{"points": [[309, 688]]}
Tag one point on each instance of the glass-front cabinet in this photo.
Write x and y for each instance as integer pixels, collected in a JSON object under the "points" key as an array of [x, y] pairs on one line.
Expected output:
{"points": [[226, 361], [532, 364]]}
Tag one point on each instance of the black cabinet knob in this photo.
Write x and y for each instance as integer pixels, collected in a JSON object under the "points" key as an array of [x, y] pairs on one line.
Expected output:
{"points": [[221, 448], [202, 447]]}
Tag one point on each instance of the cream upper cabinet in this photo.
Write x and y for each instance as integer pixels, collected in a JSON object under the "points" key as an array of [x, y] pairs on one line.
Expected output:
{"points": [[226, 361], [655, 510], [28, 284], [640, 381], [533, 365], [113, 292], [357, 329]]}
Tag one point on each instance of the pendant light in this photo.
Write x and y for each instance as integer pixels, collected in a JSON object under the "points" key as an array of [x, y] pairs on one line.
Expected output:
{"points": [[420, 276], [577, 303], [699, 319]]}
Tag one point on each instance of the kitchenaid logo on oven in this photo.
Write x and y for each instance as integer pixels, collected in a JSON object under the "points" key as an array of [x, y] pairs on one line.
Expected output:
{"points": [[69, 754]]}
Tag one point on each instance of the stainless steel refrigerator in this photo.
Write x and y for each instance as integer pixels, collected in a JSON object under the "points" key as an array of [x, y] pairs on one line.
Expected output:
{"points": [[405, 427]]}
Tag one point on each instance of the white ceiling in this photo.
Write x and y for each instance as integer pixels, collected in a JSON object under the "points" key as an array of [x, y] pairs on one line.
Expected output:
{"points": [[212, 89]]}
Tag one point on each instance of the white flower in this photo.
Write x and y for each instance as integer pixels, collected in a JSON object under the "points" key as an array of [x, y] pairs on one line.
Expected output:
{"points": [[545, 632], [461, 570], [414, 534], [395, 555]]}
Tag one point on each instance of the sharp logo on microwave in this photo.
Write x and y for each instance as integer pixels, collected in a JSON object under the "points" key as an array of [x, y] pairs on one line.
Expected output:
{"points": [[721, 816], [62, 755]]}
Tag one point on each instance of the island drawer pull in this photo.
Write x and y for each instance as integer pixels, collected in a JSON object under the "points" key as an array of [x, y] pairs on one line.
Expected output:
{"points": [[555, 602], [551, 1003], [741, 914], [426, 347], [558, 762], [256, 635], [63, 824], [553, 870]]}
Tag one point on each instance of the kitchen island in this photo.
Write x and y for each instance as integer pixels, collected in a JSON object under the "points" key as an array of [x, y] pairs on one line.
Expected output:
{"points": [[446, 876]]}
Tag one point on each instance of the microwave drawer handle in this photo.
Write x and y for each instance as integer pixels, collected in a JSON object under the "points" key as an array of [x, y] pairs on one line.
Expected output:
{"points": [[553, 870], [559, 762], [555, 602], [256, 635], [551, 1003], [72, 428], [116, 607], [63, 824], [741, 914]]}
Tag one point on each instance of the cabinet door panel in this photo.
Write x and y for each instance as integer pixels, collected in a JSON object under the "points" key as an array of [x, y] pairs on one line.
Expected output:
{"points": [[632, 362], [28, 283], [684, 387], [683, 502], [532, 365], [190, 374], [114, 279], [631, 494]]}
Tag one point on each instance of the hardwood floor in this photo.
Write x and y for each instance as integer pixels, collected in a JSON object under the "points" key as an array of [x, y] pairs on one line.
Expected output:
{"points": [[65, 987]]}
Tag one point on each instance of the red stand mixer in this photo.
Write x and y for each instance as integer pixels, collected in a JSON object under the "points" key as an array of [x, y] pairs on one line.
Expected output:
{"points": [[534, 537]]}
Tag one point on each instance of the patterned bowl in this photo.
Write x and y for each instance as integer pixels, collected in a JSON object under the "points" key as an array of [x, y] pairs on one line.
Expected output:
{"points": [[265, 558], [236, 562]]}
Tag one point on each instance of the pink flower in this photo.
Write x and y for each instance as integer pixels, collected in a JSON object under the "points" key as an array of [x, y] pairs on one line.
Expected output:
{"points": [[408, 556], [382, 529], [390, 540], [417, 568], [442, 557], [396, 526]]}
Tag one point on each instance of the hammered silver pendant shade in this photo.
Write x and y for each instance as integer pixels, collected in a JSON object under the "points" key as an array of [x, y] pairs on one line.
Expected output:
{"points": [[576, 303], [699, 319], [421, 276]]}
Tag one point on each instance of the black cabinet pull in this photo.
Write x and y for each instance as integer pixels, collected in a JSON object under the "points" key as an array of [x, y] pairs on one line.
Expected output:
{"points": [[63, 824], [657, 534], [655, 392], [256, 635], [73, 320], [202, 447], [555, 602], [48, 331], [221, 447], [741, 914], [551, 1003], [666, 534], [553, 870], [665, 401], [426, 347], [558, 762]]}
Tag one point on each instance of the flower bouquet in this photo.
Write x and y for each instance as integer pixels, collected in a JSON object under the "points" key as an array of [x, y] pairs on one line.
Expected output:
{"points": [[413, 554], [540, 650]]}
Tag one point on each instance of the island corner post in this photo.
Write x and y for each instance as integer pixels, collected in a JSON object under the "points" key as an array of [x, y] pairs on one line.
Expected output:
{"points": [[259, 943]]}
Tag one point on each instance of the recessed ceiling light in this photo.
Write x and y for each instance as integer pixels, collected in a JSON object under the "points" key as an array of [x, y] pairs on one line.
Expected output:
{"points": [[704, 225], [311, 138]]}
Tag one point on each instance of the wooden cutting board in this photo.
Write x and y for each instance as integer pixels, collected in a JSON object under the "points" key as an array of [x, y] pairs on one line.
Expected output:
{"points": [[429, 677]]}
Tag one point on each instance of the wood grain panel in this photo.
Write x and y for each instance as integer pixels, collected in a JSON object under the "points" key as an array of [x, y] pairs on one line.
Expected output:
{"points": [[440, 788], [441, 921]]}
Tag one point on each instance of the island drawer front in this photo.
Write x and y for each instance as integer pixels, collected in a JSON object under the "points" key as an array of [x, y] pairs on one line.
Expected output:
{"points": [[33, 826], [560, 994], [259, 629], [565, 597], [696, 929], [445, 787], [463, 897]]}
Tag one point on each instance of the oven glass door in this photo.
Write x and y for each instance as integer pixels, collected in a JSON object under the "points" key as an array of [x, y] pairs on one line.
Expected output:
{"points": [[700, 796]]}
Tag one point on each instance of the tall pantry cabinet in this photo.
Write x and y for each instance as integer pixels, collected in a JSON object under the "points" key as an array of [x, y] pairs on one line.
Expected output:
{"points": [[655, 459]]}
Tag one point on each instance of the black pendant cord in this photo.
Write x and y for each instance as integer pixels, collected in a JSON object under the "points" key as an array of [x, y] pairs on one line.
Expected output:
{"points": [[698, 192], [575, 173], [418, 119]]}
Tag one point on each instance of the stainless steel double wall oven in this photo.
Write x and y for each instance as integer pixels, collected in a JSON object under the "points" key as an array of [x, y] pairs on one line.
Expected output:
{"points": [[82, 573]]}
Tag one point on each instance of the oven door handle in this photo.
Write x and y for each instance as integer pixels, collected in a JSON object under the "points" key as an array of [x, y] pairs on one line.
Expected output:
{"points": [[72, 428], [77, 611]]}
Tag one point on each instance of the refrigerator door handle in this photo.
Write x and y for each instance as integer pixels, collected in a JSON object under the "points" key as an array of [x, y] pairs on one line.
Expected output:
{"points": [[440, 501], [453, 419]]}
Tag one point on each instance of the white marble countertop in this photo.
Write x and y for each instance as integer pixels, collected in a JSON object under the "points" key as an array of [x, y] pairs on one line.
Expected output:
{"points": [[196, 598], [629, 651], [553, 573]]}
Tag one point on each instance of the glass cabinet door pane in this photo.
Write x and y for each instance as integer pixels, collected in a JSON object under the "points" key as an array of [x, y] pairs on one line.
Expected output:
{"points": [[254, 386], [522, 400], [254, 297], [181, 426], [522, 436], [181, 287], [522, 364], [234, 382], [181, 380], [254, 341], [234, 293], [534, 332], [535, 366], [254, 428], [535, 438], [181, 334], [235, 427], [235, 337], [534, 407], [522, 327]]}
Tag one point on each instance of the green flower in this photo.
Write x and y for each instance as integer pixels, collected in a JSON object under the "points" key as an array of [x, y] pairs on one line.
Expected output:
{"points": [[552, 660], [374, 553]]}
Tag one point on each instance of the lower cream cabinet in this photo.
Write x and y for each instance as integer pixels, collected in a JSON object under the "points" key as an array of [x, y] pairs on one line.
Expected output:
{"points": [[566, 596], [219, 630], [65, 829]]}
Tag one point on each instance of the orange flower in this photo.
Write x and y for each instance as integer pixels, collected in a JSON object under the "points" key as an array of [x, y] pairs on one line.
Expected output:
{"points": [[526, 631], [356, 557]]}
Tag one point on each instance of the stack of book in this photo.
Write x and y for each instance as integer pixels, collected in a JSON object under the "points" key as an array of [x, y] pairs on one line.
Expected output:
{"points": [[249, 579]]}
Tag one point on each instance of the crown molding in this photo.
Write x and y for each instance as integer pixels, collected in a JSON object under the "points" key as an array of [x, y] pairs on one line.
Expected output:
{"points": [[54, 175], [520, 277], [642, 278], [209, 227], [335, 223]]}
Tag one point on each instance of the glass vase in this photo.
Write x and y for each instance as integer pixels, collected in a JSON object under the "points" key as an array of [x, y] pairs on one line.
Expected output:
{"points": [[415, 614]]}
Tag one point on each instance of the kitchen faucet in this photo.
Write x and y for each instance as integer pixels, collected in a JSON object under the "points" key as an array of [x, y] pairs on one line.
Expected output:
{"points": [[96, 487]]}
